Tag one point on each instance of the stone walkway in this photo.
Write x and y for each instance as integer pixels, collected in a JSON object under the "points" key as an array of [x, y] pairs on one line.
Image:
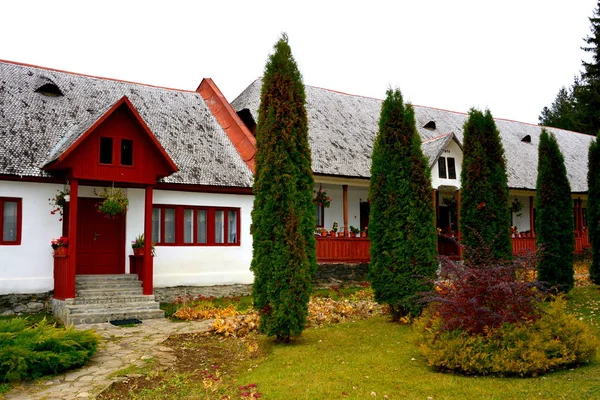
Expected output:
{"points": [[120, 348]]}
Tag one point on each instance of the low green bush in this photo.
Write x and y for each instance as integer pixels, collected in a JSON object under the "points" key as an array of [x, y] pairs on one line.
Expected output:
{"points": [[529, 348], [28, 352]]}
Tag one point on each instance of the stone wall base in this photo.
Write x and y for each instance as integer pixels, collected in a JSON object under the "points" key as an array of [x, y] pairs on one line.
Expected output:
{"points": [[343, 275], [30, 303], [168, 294]]}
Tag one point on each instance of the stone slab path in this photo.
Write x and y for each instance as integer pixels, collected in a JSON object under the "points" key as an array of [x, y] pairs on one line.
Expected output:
{"points": [[120, 347]]}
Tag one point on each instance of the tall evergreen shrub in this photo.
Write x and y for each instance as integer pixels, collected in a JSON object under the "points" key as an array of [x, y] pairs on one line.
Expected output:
{"points": [[554, 219], [401, 225], [485, 215], [284, 255], [593, 207]]}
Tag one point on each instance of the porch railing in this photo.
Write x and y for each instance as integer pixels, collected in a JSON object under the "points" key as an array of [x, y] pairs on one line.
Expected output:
{"points": [[525, 242], [357, 250], [343, 249]]}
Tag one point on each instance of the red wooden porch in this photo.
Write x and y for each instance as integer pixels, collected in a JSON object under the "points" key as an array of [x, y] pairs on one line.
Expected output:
{"points": [[357, 250], [525, 242]]}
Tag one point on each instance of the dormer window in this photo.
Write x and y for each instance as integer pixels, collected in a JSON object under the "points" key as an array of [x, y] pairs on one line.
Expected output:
{"points": [[126, 152], [447, 168], [106, 150], [430, 125], [526, 139], [49, 89]]}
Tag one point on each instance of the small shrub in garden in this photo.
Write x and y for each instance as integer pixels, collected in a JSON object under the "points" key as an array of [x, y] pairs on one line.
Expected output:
{"points": [[474, 298], [527, 348], [42, 349]]}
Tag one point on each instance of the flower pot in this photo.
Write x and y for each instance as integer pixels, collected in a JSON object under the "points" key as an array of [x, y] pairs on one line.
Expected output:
{"points": [[138, 251], [60, 251], [352, 234]]}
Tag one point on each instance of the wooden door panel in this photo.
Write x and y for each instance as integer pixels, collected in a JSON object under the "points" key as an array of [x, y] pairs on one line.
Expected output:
{"points": [[100, 241]]}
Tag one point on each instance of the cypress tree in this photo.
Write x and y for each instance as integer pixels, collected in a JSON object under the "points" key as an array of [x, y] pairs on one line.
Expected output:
{"points": [[485, 214], [401, 225], [284, 255], [554, 220], [593, 207]]}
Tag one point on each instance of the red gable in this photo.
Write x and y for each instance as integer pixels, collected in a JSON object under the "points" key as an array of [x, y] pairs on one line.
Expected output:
{"points": [[117, 147]]}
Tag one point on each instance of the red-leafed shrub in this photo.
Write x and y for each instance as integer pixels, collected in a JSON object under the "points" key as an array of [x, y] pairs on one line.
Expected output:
{"points": [[474, 298]]}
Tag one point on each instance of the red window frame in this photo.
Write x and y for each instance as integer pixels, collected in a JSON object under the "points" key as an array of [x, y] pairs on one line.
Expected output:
{"points": [[210, 225], [19, 220], [117, 151]]}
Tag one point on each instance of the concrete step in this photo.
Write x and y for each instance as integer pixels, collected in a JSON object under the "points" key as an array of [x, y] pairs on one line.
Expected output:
{"points": [[109, 292], [104, 299], [105, 277], [99, 317], [113, 307], [107, 284]]}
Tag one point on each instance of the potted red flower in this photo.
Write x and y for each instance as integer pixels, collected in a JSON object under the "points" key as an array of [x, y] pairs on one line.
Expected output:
{"points": [[60, 246]]}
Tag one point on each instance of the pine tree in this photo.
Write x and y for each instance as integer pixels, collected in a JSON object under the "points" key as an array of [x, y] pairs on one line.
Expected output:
{"points": [[554, 217], [593, 207], [485, 214], [401, 224], [284, 255], [588, 95], [563, 112]]}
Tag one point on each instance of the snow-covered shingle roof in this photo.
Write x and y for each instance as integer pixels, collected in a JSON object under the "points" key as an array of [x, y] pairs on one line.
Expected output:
{"points": [[342, 129], [34, 127]]}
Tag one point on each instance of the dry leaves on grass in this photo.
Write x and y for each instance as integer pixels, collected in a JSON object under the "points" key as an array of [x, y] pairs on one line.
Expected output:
{"points": [[201, 312], [235, 326], [361, 305]]}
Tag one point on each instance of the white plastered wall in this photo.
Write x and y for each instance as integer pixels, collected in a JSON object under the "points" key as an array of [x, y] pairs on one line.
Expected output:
{"points": [[335, 212], [196, 265], [28, 267], [521, 222], [452, 150]]}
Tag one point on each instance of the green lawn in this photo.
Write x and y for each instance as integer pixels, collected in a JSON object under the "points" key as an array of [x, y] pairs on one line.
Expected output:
{"points": [[369, 359], [375, 356]]}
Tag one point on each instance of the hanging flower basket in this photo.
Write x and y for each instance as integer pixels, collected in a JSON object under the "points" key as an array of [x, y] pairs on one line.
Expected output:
{"points": [[58, 202], [115, 203], [321, 197]]}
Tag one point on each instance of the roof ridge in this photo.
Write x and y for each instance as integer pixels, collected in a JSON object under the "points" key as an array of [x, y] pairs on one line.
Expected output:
{"points": [[94, 76]]}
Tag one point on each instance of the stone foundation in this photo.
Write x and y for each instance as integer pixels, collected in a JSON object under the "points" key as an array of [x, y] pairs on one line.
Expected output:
{"points": [[168, 294], [18, 304], [345, 275]]}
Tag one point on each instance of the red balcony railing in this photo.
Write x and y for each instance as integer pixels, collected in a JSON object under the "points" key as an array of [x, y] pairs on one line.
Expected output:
{"points": [[343, 249], [357, 250]]}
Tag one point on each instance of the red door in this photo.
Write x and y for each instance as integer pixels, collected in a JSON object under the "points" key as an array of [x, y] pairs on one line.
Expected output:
{"points": [[100, 241]]}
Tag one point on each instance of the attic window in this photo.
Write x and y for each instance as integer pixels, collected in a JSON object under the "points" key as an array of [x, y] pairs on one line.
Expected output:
{"points": [[526, 139], [430, 125], [247, 119], [49, 89]]}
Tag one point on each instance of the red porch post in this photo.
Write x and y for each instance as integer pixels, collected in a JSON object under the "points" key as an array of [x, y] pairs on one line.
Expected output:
{"points": [[345, 205], [147, 282], [531, 217], [72, 262]]}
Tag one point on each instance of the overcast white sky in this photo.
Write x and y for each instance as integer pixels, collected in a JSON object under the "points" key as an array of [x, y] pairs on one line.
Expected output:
{"points": [[510, 56]]}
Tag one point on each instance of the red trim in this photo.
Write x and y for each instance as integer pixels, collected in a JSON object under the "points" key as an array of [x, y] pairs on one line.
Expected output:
{"points": [[240, 136], [123, 101], [93, 76], [34, 179], [19, 202], [203, 188], [210, 225]]}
